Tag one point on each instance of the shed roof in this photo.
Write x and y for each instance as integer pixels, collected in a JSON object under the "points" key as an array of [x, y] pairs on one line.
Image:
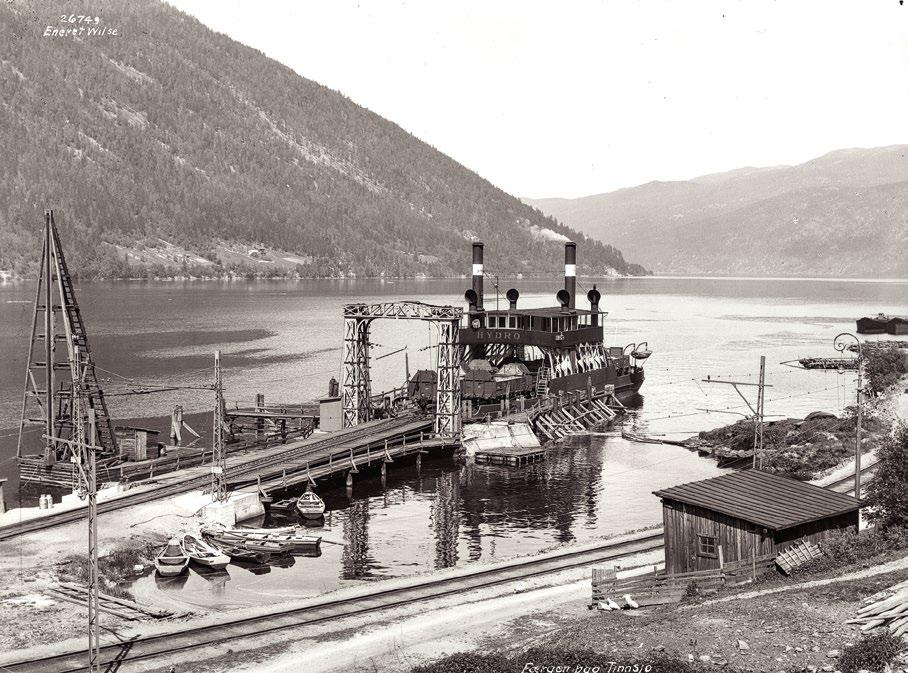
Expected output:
{"points": [[763, 499]]}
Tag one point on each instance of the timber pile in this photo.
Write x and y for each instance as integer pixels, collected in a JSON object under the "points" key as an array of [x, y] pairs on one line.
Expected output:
{"points": [[798, 555], [112, 605], [887, 609]]}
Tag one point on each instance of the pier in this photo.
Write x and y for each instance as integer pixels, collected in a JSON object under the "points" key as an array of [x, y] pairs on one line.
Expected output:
{"points": [[319, 456]]}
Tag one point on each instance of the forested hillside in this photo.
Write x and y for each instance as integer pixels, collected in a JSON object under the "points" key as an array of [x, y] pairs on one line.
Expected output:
{"points": [[842, 214], [168, 148]]}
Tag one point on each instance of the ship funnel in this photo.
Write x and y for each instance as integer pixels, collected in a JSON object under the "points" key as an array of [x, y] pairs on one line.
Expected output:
{"points": [[477, 272], [594, 296], [513, 295], [570, 270], [564, 298]]}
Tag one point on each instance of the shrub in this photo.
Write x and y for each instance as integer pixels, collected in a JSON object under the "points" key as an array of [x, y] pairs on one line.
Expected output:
{"points": [[467, 663], [887, 492], [870, 653], [848, 548], [543, 657]]}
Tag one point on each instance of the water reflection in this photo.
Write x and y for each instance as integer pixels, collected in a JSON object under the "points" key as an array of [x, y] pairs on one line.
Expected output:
{"points": [[445, 518], [355, 558], [450, 512]]}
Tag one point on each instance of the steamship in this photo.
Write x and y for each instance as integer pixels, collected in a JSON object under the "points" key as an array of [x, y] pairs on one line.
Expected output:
{"points": [[519, 352]]}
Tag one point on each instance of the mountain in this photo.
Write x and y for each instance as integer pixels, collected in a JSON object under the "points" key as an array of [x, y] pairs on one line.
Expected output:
{"points": [[842, 214], [166, 148]]}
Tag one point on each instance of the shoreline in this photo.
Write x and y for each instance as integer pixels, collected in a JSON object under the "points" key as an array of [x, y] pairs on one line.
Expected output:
{"points": [[422, 278]]}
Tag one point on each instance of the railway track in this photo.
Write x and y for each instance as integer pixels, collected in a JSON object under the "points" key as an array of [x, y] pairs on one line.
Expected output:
{"points": [[846, 484], [239, 474], [228, 629]]}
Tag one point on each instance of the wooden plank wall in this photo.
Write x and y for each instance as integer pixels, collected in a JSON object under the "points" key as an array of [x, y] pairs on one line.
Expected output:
{"points": [[683, 523], [740, 540]]}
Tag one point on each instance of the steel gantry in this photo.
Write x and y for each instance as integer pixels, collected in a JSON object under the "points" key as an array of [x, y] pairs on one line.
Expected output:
{"points": [[356, 383]]}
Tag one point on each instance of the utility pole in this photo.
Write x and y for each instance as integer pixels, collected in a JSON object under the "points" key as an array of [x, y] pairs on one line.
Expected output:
{"points": [[219, 457], [841, 345], [757, 414], [761, 396], [83, 455]]}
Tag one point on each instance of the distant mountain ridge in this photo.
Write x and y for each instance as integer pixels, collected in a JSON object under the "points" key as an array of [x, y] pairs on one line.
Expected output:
{"points": [[842, 214], [171, 149]]}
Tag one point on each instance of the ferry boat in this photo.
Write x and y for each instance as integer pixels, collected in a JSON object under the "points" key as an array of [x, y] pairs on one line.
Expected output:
{"points": [[520, 352]]}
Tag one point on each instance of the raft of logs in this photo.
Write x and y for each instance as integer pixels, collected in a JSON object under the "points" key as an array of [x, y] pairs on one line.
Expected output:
{"points": [[887, 609]]}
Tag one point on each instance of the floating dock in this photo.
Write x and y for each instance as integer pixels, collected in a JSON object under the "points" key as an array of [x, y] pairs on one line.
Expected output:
{"points": [[511, 455]]}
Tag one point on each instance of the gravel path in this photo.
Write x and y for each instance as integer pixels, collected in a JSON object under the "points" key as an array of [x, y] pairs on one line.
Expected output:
{"points": [[891, 566]]}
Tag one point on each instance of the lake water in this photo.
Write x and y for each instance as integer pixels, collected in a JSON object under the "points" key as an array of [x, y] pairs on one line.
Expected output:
{"points": [[283, 339]]}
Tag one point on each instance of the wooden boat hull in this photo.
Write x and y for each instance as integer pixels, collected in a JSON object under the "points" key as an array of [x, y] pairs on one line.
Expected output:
{"points": [[171, 570], [204, 554], [310, 506]]}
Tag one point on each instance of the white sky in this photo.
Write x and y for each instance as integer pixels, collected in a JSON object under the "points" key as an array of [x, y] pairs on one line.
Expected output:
{"points": [[548, 98]]}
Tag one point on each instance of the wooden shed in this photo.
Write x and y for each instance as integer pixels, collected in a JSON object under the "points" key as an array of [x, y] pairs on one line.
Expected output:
{"points": [[747, 514], [137, 443]]}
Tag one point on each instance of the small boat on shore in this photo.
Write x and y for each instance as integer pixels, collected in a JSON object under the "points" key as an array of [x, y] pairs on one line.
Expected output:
{"points": [[172, 560], [310, 505], [204, 553]]}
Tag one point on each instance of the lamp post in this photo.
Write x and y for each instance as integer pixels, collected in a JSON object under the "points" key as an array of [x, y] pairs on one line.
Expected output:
{"points": [[841, 343]]}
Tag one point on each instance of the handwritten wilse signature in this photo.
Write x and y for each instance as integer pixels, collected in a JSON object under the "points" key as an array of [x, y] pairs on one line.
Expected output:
{"points": [[80, 25]]}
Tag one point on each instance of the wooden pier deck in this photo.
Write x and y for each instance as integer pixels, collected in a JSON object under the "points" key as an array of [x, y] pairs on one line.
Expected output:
{"points": [[351, 452], [269, 465]]}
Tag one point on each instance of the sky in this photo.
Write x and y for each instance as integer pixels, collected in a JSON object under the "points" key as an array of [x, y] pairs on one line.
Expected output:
{"points": [[547, 98]]}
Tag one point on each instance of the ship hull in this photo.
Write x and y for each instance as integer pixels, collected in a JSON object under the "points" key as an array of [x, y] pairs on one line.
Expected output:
{"points": [[626, 382]]}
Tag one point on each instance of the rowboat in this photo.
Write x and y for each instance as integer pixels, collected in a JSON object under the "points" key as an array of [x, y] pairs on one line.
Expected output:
{"points": [[266, 541], [172, 560], [295, 542], [283, 505], [239, 542], [241, 553], [202, 552], [310, 505]]}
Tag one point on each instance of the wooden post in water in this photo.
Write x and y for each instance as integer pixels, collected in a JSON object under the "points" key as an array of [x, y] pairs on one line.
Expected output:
{"points": [[259, 422], [2, 501]]}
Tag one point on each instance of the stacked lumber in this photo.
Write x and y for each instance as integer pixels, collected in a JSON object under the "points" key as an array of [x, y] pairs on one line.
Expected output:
{"points": [[112, 605], [798, 555], [888, 609]]}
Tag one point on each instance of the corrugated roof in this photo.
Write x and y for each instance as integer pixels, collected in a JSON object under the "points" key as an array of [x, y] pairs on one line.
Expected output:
{"points": [[764, 499]]}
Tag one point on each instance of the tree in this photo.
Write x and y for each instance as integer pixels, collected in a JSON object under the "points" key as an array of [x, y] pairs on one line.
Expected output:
{"points": [[887, 492], [883, 367]]}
